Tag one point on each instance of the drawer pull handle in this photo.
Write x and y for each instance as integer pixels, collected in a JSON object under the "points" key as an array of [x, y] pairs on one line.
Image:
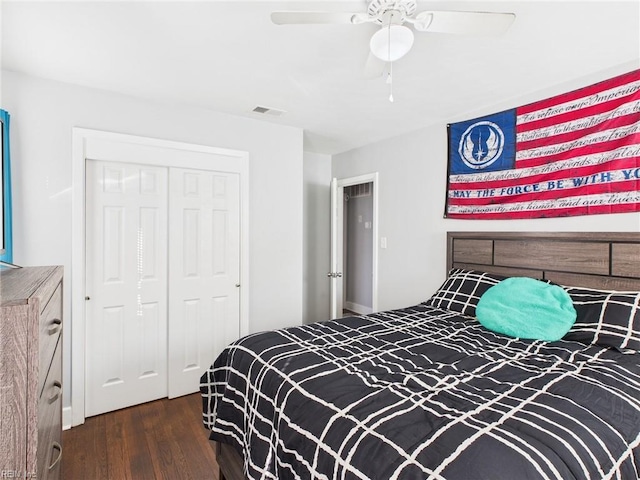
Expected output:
{"points": [[58, 390], [56, 446], [56, 324]]}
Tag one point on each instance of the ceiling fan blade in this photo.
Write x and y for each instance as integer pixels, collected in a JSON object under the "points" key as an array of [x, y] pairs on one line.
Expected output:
{"points": [[374, 67], [295, 18], [474, 23]]}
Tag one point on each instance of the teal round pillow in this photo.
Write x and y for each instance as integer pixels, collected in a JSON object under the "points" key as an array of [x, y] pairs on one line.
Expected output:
{"points": [[527, 308]]}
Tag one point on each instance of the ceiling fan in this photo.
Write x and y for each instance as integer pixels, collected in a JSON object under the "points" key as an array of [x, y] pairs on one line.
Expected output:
{"points": [[394, 38]]}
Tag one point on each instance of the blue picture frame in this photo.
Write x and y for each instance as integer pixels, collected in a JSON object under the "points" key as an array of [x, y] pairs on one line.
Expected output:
{"points": [[6, 236]]}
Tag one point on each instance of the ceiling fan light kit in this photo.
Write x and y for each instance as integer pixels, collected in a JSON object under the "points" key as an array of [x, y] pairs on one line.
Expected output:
{"points": [[391, 43]]}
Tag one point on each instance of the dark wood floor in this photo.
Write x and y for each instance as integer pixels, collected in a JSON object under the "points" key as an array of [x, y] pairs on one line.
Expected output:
{"points": [[164, 439]]}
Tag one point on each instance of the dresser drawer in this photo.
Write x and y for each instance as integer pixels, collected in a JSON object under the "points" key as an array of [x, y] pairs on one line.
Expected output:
{"points": [[50, 421], [50, 328]]}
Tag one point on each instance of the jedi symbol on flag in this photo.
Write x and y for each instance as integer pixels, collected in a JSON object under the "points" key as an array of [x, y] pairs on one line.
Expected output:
{"points": [[485, 144]]}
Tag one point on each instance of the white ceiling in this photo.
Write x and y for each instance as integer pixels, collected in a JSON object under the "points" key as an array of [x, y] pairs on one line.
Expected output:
{"points": [[229, 57]]}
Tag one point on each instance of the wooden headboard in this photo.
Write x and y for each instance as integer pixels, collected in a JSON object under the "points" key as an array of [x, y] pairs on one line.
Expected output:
{"points": [[601, 260]]}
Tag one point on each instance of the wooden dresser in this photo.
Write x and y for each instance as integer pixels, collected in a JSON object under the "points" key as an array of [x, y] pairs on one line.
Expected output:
{"points": [[31, 372]]}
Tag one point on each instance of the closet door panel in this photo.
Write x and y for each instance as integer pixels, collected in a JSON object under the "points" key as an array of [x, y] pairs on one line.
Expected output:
{"points": [[126, 322], [204, 272]]}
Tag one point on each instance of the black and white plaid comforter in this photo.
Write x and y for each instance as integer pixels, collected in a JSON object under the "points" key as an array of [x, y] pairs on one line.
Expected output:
{"points": [[423, 393]]}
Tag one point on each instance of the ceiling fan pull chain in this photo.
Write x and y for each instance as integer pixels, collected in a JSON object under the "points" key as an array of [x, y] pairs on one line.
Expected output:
{"points": [[390, 82], [390, 77]]}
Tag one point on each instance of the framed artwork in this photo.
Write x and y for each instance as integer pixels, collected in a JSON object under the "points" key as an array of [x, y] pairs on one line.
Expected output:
{"points": [[6, 244], [3, 137]]}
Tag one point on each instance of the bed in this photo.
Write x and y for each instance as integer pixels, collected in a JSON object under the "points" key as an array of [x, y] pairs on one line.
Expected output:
{"points": [[428, 392]]}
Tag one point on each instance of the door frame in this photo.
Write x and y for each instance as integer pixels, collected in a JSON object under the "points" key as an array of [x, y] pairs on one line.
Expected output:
{"points": [[88, 144], [337, 239]]}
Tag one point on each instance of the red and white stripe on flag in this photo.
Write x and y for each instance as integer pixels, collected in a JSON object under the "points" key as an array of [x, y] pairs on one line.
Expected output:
{"points": [[575, 154]]}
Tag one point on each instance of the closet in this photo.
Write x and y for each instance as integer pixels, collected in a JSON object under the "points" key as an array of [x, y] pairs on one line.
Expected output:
{"points": [[162, 279]]}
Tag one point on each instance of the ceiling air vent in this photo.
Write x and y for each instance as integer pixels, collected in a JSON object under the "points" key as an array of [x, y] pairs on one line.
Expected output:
{"points": [[267, 111]]}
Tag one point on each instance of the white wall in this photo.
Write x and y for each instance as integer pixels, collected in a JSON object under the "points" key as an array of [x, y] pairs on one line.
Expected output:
{"points": [[42, 115], [412, 192], [316, 264]]}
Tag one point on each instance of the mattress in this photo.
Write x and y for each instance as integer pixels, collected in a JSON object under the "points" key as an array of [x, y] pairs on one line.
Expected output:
{"points": [[423, 393]]}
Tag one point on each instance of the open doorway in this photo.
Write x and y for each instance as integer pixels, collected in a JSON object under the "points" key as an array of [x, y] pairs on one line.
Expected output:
{"points": [[354, 253], [358, 249]]}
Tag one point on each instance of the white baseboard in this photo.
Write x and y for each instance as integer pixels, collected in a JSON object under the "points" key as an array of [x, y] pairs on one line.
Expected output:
{"points": [[66, 418], [359, 309]]}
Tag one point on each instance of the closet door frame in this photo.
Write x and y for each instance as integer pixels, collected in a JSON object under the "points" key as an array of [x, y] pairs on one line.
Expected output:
{"points": [[88, 144]]}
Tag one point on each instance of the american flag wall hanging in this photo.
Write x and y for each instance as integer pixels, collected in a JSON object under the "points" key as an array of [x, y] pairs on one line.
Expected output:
{"points": [[574, 154]]}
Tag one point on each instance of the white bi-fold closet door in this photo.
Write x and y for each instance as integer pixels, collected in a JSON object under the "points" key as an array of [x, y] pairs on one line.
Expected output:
{"points": [[162, 279]]}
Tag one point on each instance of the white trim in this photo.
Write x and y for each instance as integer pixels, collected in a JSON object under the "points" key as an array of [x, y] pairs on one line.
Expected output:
{"points": [[116, 147], [336, 284], [78, 260], [347, 182], [359, 309], [66, 418]]}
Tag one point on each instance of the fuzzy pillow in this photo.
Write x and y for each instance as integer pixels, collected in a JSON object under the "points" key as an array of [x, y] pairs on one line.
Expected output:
{"points": [[527, 308]]}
